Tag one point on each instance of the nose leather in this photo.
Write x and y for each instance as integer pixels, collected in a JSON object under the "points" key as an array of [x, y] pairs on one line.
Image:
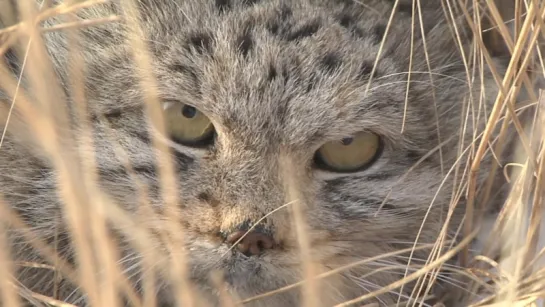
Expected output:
{"points": [[251, 243]]}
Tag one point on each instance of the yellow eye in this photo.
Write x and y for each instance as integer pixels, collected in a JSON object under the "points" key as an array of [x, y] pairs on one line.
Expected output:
{"points": [[187, 125], [349, 154]]}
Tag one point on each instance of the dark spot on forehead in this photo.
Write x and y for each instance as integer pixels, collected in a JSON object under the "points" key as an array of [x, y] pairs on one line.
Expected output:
{"points": [[330, 61], [245, 42], [273, 27], [405, 8], [279, 23], [200, 41], [345, 20], [272, 72], [378, 32], [189, 72], [250, 2], [207, 198], [365, 71], [285, 12], [223, 5], [303, 31]]}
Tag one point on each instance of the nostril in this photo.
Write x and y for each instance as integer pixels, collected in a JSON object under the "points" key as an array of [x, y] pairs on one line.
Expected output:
{"points": [[251, 243], [265, 242]]}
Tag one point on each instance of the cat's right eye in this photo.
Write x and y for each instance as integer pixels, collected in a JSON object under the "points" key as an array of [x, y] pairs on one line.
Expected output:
{"points": [[187, 125]]}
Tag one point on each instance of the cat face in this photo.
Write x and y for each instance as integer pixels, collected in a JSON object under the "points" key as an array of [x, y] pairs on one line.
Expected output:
{"points": [[273, 104]]}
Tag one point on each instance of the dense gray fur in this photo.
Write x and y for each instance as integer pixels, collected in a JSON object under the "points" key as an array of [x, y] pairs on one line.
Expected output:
{"points": [[278, 79]]}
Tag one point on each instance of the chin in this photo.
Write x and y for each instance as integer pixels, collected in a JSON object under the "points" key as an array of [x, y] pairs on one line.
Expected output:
{"points": [[221, 275], [218, 272]]}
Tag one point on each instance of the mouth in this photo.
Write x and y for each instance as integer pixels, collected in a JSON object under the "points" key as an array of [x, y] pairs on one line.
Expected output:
{"points": [[245, 274], [235, 261], [245, 261]]}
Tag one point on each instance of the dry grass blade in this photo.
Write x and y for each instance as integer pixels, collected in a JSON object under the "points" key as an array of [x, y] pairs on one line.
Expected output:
{"points": [[81, 24], [179, 274], [339, 270], [438, 262], [297, 209]]}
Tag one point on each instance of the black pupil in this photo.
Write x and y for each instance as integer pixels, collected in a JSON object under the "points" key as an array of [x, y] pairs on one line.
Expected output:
{"points": [[347, 141], [189, 111]]}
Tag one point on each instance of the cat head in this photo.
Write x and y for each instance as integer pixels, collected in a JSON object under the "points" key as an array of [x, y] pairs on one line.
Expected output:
{"points": [[269, 108]]}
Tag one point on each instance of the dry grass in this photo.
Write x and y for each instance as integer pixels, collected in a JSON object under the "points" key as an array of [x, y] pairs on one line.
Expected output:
{"points": [[518, 279]]}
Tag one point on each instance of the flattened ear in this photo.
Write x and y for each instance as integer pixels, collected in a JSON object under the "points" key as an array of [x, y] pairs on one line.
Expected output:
{"points": [[492, 37]]}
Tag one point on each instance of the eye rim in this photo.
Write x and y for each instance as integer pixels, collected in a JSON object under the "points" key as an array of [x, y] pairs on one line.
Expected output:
{"points": [[320, 164], [206, 140]]}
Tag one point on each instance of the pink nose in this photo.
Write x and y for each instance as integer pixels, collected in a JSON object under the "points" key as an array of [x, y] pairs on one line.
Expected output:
{"points": [[252, 243]]}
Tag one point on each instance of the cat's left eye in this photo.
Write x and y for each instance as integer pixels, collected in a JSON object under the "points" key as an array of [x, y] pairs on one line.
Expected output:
{"points": [[349, 154], [187, 125]]}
